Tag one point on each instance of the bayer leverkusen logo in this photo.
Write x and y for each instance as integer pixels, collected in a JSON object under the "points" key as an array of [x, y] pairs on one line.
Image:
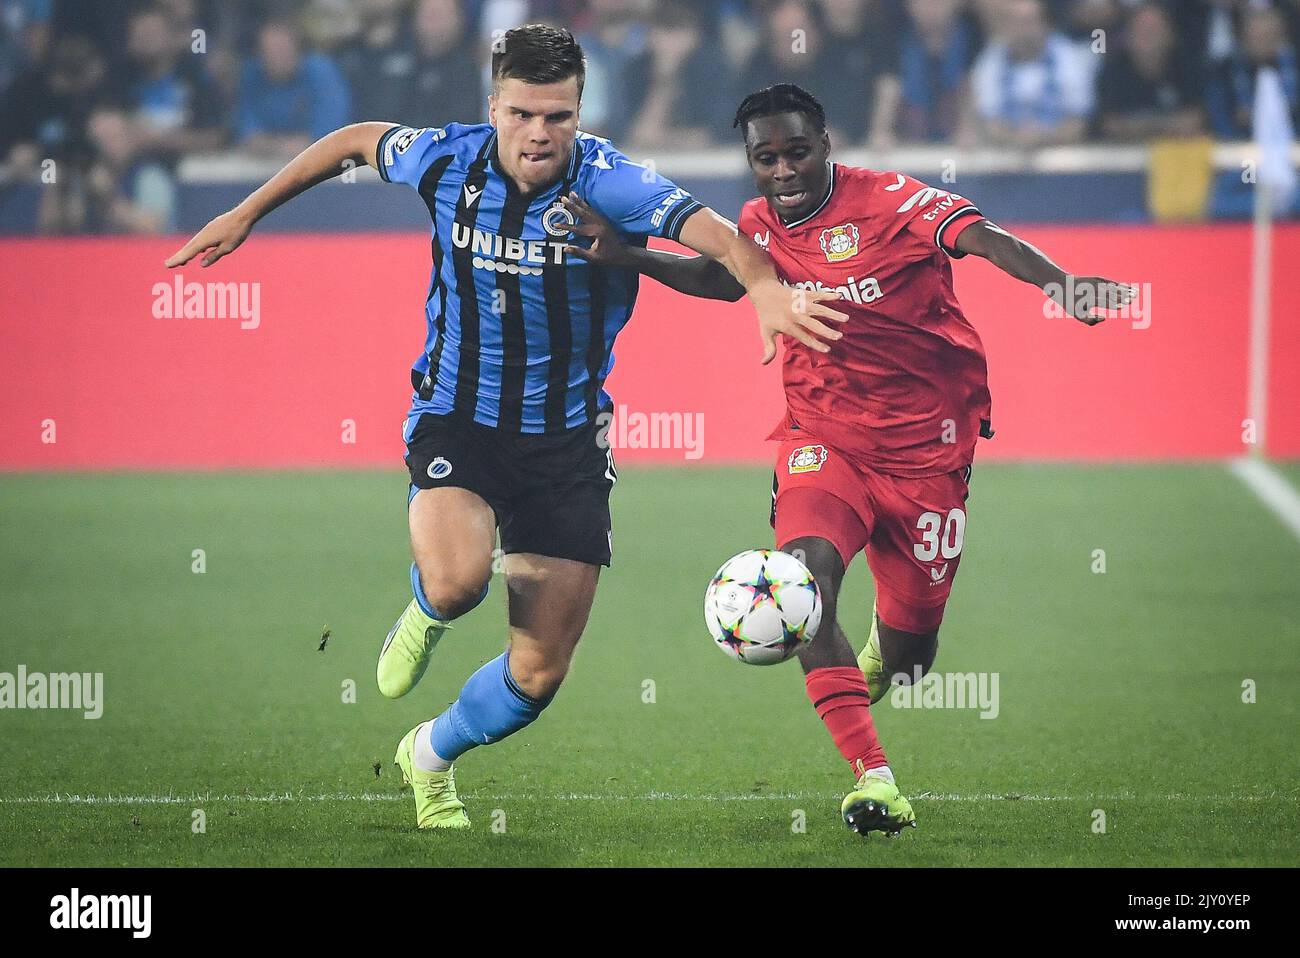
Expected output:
{"points": [[806, 459], [840, 242]]}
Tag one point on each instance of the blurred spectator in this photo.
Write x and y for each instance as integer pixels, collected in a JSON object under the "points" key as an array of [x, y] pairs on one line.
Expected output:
{"points": [[103, 24], [1147, 90], [792, 51], [618, 55], [415, 65], [862, 48], [288, 97], [1095, 27], [176, 109], [43, 113], [444, 83], [935, 54], [330, 24], [115, 191], [501, 15], [1031, 87], [1082, 18], [987, 15], [125, 191], [1212, 29], [739, 36], [24, 37], [1216, 24], [678, 111], [211, 30], [1264, 43], [371, 59], [1290, 10], [168, 78]]}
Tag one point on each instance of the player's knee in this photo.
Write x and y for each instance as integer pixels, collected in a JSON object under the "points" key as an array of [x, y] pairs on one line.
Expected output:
{"points": [[451, 592], [908, 654], [540, 671], [540, 679], [823, 561]]}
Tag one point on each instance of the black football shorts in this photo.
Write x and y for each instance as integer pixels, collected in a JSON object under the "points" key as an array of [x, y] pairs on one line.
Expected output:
{"points": [[550, 492]]}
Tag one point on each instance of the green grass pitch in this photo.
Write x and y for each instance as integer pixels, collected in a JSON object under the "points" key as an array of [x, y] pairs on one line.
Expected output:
{"points": [[1119, 692]]}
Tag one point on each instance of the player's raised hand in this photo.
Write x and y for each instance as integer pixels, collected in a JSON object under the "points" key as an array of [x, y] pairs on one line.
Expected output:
{"points": [[1087, 298], [794, 312], [221, 236], [607, 247]]}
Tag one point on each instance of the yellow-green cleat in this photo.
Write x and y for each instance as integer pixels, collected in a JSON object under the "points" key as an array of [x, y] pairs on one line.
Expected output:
{"points": [[872, 665], [436, 804], [875, 805], [406, 651]]}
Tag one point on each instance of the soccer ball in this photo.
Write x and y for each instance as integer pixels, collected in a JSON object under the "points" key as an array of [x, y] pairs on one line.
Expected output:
{"points": [[762, 606]]}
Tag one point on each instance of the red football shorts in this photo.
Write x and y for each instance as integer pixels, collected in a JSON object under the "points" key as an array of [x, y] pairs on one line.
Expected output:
{"points": [[911, 530]]}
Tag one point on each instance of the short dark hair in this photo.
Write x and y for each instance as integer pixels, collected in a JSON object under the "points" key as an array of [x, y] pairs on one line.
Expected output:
{"points": [[779, 98], [538, 53]]}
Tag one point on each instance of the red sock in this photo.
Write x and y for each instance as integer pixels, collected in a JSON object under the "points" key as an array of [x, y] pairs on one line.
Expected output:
{"points": [[840, 696]]}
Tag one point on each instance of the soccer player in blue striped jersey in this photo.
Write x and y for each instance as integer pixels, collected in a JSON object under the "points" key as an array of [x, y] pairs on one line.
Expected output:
{"points": [[503, 435], [537, 365]]}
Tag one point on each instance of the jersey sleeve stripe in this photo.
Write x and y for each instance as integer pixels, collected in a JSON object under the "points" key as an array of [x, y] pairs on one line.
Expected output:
{"points": [[677, 220], [955, 214], [379, 152]]}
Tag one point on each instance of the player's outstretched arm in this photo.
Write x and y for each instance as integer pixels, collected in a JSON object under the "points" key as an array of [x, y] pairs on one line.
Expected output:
{"points": [[323, 160], [692, 275], [1080, 296], [792, 312]]}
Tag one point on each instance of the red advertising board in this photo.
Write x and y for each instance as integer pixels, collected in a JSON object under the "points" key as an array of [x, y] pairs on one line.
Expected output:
{"points": [[103, 370]]}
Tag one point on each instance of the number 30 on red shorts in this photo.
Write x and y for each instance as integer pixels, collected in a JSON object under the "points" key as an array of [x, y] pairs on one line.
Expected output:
{"points": [[910, 529]]}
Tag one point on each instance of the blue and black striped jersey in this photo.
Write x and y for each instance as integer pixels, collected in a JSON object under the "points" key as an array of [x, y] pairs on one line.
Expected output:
{"points": [[521, 336]]}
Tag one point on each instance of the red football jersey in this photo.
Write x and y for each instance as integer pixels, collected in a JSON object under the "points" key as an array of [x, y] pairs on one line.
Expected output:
{"points": [[905, 392]]}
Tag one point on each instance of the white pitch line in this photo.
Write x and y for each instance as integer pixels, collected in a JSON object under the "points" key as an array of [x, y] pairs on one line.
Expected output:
{"points": [[1272, 489], [366, 797]]}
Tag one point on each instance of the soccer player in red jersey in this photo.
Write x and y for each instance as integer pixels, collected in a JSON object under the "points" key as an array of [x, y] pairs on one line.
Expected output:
{"points": [[876, 445]]}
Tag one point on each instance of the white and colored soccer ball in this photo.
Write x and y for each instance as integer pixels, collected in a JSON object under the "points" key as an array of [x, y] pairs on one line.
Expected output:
{"points": [[762, 606]]}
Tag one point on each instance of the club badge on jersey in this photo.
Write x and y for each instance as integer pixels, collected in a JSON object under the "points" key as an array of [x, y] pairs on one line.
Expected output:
{"points": [[840, 242], [807, 459]]}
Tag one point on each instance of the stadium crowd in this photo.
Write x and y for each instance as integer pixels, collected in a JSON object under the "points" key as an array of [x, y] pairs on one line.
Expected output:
{"points": [[120, 92]]}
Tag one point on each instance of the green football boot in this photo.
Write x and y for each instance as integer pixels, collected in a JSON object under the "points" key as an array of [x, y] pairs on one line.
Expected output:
{"points": [[872, 665], [436, 804], [406, 651], [875, 805]]}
